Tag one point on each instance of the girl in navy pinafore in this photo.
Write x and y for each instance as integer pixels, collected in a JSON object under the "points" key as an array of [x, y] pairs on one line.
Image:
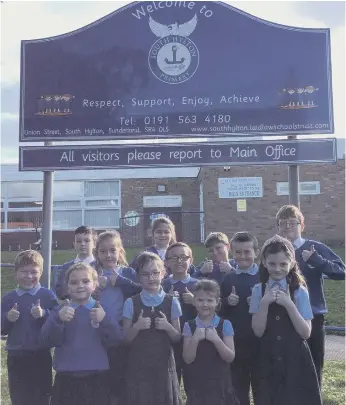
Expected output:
{"points": [[151, 326], [208, 351], [282, 319]]}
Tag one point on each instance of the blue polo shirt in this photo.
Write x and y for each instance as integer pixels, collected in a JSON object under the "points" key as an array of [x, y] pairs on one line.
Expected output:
{"points": [[301, 295], [227, 329], [152, 300]]}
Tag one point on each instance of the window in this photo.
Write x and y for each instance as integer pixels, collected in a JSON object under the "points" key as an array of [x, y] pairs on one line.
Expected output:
{"points": [[66, 204], [2, 220], [67, 190], [67, 219], [24, 219], [102, 218], [101, 188], [102, 203], [305, 188], [25, 190], [25, 204]]}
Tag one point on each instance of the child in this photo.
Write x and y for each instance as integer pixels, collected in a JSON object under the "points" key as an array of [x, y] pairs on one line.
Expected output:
{"points": [[80, 331], [215, 269], [236, 294], [208, 351], [151, 326], [282, 319], [116, 283], [314, 259], [84, 243], [23, 312], [180, 283]]}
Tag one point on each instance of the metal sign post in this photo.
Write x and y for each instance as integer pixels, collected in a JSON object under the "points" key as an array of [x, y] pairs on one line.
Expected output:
{"points": [[293, 181], [47, 225]]}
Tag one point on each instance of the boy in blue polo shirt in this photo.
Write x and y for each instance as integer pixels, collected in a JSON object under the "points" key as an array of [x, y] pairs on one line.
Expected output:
{"points": [[236, 290], [314, 259], [84, 244], [23, 313], [218, 265]]}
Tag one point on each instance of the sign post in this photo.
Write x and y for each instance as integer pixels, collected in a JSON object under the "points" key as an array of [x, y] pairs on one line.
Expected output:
{"points": [[293, 182]]}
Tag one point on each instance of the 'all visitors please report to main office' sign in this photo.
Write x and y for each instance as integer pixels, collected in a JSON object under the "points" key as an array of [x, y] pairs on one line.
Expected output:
{"points": [[173, 69], [171, 155]]}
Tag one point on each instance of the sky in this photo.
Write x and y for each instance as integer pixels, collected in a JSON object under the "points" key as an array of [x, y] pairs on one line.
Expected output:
{"points": [[49, 18]]}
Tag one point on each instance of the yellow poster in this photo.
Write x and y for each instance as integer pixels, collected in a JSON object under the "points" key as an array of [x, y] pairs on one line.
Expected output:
{"points": [[241, 205]]}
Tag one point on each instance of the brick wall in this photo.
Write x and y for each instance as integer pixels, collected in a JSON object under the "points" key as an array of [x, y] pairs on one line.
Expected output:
{"points": [[324, 213]]}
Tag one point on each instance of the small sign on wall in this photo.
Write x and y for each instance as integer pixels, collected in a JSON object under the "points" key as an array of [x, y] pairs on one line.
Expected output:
{"points": [[241, 205], [240, 187]]}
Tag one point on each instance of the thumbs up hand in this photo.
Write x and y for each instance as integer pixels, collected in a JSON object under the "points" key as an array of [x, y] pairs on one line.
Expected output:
{"points": [[66, 313], [142, 323], [225, 267], [207, 267], [233, 298], [188, 297], [36, 311], [13, 313], [306, 254], [97, 313], [113, 278], [172, 292], [102, 282], [161, 322]]}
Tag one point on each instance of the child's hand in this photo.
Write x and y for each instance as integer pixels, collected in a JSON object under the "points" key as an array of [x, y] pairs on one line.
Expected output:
{"points": [[225, 267], [102, 281], [97, 313], [161, 322], [113, 278], [173, 293], [233, 298], [211, 335], [248, 299], [200, 334], [66, 313], [13, 313], [306, 254], [283, 298], [207, 267], [142, 323], [36, 311], [188, 297], [269, 295]]}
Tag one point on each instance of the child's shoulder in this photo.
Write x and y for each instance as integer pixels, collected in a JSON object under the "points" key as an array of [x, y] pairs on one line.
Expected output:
{"points": [[46, 292], [68, 264], [10, 295]]}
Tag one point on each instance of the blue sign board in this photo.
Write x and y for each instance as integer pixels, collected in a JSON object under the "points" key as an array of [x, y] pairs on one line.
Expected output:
{"points": [[67, 157], [172, 69]]}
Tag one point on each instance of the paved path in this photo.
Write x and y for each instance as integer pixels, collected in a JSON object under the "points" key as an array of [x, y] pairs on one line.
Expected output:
{"points": [[335, 347]]}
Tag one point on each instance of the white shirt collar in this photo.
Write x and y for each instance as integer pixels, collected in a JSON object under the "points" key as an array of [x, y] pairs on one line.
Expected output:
{"points": [[88, 259], [298, 242], [185, 281]]}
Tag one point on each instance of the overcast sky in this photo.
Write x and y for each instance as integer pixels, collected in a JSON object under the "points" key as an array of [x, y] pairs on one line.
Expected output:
{"points": [[30, 20]]}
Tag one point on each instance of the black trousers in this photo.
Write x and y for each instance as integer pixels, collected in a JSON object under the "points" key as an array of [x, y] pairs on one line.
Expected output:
{"points": [[244, 369], [30, 378], [316, 344]]}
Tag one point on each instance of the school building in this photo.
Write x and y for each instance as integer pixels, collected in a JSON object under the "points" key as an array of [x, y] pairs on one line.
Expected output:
{"points": [[199, 200]]}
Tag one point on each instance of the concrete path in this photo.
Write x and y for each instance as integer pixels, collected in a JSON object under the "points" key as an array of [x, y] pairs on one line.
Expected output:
{"points": [[335, 347]]}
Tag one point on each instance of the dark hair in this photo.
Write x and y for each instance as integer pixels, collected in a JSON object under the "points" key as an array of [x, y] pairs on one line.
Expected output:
{"points": [[290, 211], [164, 220], [278, 244], [245, 237], [146, 257], [210, 286], [216, 237], [178, 244], [82, 230]]}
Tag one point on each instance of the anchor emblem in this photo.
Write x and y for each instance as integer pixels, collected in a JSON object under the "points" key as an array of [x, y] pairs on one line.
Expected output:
{"points": [[174, 61]]}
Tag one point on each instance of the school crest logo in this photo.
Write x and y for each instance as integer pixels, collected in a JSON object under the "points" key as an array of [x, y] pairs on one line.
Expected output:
{"points": [[174, 57]]}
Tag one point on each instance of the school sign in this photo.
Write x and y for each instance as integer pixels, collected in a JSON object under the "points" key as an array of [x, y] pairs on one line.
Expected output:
{"points": [[172, 69]]}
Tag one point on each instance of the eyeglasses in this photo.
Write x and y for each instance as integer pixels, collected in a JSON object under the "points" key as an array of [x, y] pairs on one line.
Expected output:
{"points": [[155, 274], [291, 224], [179, 258]]}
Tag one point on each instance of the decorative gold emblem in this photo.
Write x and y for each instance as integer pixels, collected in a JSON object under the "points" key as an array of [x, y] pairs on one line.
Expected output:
{"points": [[298, 98], [54, 105]]}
